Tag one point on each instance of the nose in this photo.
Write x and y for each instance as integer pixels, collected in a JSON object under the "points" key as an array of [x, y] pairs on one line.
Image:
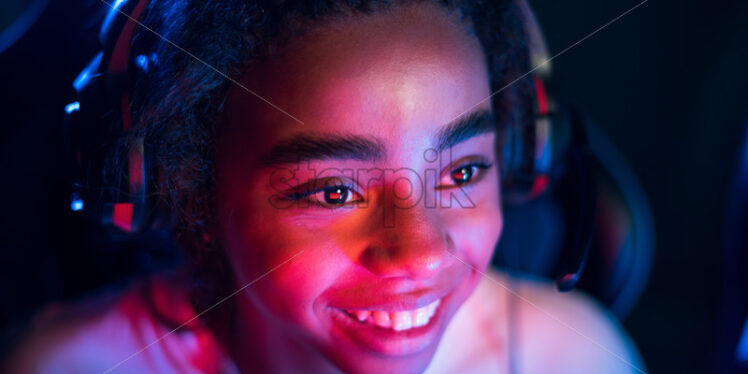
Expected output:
{"points": [[416, 246]]}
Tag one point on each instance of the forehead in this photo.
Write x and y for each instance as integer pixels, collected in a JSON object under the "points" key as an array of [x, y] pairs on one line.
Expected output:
{"points": [[398, 76]]}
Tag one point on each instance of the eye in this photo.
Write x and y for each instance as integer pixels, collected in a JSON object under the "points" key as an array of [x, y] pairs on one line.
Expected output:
{"points": [[464, 174], [330, 193]]}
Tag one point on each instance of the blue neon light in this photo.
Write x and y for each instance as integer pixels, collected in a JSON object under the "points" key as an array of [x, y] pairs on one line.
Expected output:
{"points": [[142, 62], [76, 205], [72, 107], [87, 73], [741, 352]]}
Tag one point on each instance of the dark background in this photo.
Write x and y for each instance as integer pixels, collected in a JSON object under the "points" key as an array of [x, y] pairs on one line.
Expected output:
{"points": [[667, 83]]}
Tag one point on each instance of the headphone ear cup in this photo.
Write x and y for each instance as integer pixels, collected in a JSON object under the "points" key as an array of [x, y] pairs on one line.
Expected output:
{"points": [[527, 155], [113, 188], [529, 151], [516, 177]]}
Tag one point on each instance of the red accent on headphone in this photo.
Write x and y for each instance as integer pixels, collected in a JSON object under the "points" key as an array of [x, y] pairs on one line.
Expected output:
{"points": [[125, 108], [539, 185], [120, 59], [136, 171], [121, 54], [541, 95], [122, 216]]}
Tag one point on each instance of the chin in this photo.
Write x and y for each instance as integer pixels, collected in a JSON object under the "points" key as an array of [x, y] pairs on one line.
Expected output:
{"points": [[367, 363]]}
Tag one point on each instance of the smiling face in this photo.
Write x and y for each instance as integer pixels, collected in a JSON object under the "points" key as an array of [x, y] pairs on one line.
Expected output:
{"points": [[387, 186]]}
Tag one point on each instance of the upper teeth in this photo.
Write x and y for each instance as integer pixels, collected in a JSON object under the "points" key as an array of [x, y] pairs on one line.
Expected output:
{"points": [[400, 320]]}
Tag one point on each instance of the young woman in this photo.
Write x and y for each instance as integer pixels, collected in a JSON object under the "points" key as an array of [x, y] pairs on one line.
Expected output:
{"points": [[338, 201]]}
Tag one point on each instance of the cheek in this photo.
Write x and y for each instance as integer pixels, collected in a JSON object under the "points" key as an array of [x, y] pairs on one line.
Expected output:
{"points": [[260, 242], [479, 235], [476, 231]]}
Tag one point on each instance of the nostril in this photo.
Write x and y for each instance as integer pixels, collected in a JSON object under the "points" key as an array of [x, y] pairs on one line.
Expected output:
{"points": [[449, 242], [376, 258]]}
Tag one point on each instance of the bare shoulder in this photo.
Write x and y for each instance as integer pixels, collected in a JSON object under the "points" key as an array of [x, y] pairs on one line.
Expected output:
{"points": [[147, 327], [530, 326], [112, 330], [567, 332], [70, 337]]}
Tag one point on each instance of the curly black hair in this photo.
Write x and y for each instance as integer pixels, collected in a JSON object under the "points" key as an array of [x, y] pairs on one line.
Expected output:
{"points": [[176, 109]]}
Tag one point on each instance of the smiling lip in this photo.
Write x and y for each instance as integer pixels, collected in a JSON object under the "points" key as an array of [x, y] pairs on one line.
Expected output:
{"points": [[389, 339], [397, 302], [399, 320], [393, 296]]}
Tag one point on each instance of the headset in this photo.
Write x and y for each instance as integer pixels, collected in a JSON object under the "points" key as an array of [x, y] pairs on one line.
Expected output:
{"points": [[553, 153], [534, 156], [103, 88]]}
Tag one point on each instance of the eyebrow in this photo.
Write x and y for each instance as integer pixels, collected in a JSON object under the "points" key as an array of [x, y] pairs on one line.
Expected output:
{"points": [[466, 127], [306, 147]]}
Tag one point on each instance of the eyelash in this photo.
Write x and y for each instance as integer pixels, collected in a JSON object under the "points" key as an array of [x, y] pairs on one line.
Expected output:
{"points": [[304, 192], [481, 165]]}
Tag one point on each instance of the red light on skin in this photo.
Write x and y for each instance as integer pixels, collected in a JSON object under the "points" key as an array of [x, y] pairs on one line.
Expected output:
{"points": [[122, 216], [365, 259]]}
